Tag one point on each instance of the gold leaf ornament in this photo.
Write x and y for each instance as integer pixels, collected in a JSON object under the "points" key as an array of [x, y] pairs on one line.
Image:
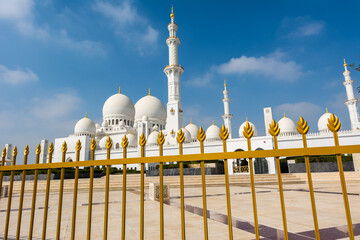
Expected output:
{"points": [[180, 136], [15, 152], [26, 151], [3, 152], [248, 131], [108, 143], [201, 135], [142, 140], [64, 147], [224, 133], [302, 126], [161, 138], [38, 149], [78, 146], [334, 123], [124, 142], [274, 129], [51, 148], [93, 144]]}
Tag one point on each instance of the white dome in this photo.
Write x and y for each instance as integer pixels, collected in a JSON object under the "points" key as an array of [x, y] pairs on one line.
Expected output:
{"points": [[132, 139], [85, 125], [104, 124], [193, 130], [97, 126], [152, 139], [150, 106], [102, 143], [119, 105], [122, 123], [287, 126], [242, 126], [212, 133], [323, 122], [187, 135]]}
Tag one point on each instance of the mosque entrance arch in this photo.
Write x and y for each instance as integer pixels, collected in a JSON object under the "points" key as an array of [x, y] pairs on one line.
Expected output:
{"points": [[261, 164], [240, 165]]}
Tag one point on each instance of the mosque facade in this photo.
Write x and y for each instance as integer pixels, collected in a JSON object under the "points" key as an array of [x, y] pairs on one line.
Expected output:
{"points": [[149, 116]]}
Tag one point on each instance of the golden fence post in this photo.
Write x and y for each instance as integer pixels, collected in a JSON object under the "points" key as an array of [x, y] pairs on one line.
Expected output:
{"points": [[180, 139], [274, 130], [303, 129], [10, 195], [248, 133], [26, 153], [124, 144], [106, 211], [92, 148], [201, 137], [3, 155], [50, 150], [161, 140], [58, 228], [38, 151], [73, 223], [224, 134], [142, 142], [334, 126]]}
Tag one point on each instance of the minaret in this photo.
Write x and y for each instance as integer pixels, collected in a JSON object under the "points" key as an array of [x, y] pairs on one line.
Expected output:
{"points": [[173, 72], [227, 116], [352, 102]]}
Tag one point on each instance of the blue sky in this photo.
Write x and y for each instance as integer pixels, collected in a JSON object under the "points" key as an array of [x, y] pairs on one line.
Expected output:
{"points": [[61, 59]]}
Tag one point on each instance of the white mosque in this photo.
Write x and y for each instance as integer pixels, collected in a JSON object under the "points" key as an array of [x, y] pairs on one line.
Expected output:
{"points": [[150, 116]]}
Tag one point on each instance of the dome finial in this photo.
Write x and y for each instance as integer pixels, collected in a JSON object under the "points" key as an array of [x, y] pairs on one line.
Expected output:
{"points": [[191, 121], [284, 115], [172, 15], [86, 115], [213, 123], [327, 110], [149, 91], [246, 118], [119, 90]]}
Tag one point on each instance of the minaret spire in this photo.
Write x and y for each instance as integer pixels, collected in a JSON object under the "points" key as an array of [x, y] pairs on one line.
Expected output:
{"points": [[227, 116], [173, 72], [352, 102]]}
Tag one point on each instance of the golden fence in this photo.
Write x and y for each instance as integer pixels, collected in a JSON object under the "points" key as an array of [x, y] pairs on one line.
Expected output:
{"points": [[334, 126]]}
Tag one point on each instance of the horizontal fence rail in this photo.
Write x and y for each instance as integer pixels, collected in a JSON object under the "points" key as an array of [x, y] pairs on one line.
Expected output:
{"points": [[302, 127]]}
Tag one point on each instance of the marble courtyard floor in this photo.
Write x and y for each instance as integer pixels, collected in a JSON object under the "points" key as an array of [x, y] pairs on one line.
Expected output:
{"points": [[329, 203]]}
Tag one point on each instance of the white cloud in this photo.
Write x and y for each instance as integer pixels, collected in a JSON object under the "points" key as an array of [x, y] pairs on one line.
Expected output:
{"points": [[272, 66], [17, 76], [129, 25], [302, 27], [58, 106], [200, 81], [20, 13]]}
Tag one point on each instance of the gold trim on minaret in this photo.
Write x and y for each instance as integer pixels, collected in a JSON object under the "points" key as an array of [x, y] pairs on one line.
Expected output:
{"points": [[224, 82], [172, 15], [345, 64]]}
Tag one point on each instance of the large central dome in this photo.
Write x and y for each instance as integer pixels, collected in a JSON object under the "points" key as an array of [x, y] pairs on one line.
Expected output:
{"points": [[119, 105], [151, 107]]}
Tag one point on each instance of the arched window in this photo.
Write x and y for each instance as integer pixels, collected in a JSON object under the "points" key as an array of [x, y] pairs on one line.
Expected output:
{"points": [[261, 164], [117, 121]]}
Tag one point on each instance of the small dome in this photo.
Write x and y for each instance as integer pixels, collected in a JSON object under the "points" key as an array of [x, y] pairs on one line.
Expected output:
{"points": [[212, 133], [242, 126], [102, 143], [150, 106], [187, 135], [323, 122], [155, 128], [104, 124], [193, 130], [119, 105], [152, 139], [144, 118], [132, 139], [97, 126], [287, 126], [85, 126], [122, 123]]}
